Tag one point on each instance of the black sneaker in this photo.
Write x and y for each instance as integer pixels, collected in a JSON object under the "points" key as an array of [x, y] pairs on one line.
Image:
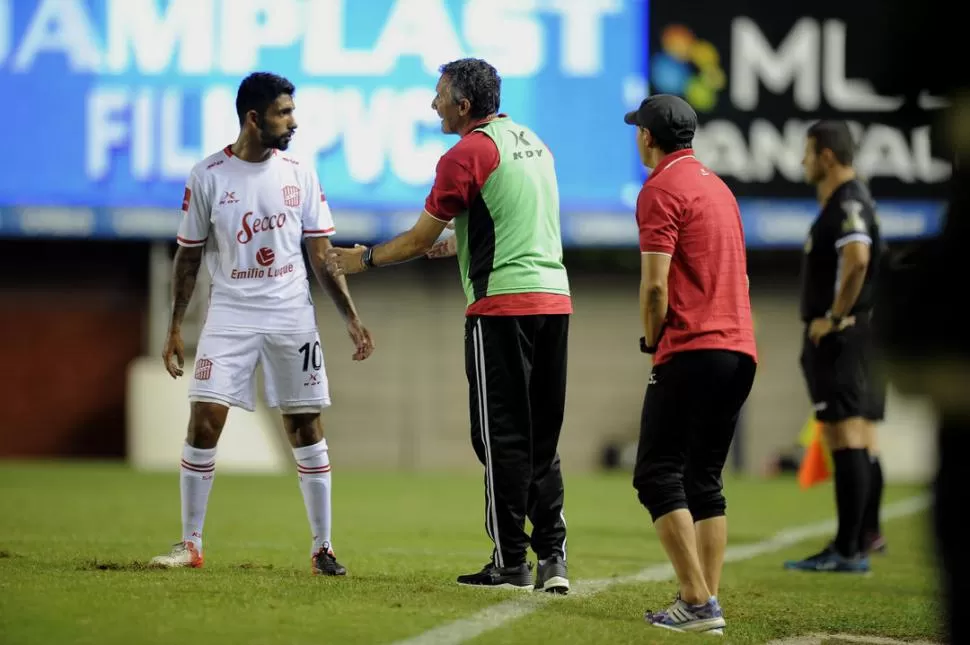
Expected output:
{"points": [[551, 576], [517, 577], [325, 564], [829, 559]]}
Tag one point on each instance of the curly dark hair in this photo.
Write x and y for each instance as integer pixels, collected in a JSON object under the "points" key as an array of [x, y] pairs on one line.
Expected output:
{"points": [[258, 91], [477, 81]]}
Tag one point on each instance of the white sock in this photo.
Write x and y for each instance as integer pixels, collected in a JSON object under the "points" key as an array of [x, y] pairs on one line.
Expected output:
{"points": [[313, 467], [197, 470]]}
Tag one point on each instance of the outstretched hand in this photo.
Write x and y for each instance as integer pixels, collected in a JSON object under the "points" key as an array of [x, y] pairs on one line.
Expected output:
{"points": [[341, 261], [445, 248]]}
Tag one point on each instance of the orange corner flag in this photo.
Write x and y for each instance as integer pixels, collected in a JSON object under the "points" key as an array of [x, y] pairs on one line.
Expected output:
{"points": [[815, 467]]}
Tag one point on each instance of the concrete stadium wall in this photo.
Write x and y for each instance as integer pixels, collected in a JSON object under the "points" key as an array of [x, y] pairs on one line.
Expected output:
{"points": [[72, 336], [408, 405]]}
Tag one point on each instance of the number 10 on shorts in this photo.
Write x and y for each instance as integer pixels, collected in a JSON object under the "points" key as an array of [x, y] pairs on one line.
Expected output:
{"points": [[312, 355]]}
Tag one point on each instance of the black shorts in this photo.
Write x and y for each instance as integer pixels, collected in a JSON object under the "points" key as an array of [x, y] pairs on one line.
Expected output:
{"points": [[690, 413], [842, 375]]}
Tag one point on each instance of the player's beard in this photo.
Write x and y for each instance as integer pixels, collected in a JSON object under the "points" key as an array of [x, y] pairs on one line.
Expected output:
{"points": [[268, 141], [273, 142]]}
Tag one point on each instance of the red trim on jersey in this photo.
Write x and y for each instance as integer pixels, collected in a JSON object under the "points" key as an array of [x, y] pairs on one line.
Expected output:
{"points": [[521, 304], [320, 231], [228, 151], [184, 242]]}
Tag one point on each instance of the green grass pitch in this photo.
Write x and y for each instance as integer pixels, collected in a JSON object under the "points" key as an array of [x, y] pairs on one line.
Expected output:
{"points": [[73, 537]]}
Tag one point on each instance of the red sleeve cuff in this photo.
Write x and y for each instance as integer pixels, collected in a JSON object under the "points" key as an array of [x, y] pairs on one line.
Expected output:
{"points": [[432, 209], [323, 232], [190, 243]]}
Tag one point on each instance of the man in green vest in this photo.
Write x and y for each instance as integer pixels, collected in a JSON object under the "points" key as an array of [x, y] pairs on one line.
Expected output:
{"points": [[497, 188]]}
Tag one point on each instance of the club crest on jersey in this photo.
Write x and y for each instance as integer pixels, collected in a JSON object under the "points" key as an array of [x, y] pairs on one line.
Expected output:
{"points": [[853, 217], [203, 369], [251, 225], [291, 195]]}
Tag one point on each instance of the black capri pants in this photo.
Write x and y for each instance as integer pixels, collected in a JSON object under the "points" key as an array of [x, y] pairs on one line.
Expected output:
{"points": [[690, 413]]}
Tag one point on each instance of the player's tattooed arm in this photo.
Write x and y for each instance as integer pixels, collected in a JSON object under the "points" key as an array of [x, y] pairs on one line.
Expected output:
{"points": [[186, 269], [335, 286]]}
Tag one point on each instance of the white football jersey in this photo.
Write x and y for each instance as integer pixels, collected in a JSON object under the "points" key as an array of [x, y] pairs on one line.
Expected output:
{"points": [[252, 218]]}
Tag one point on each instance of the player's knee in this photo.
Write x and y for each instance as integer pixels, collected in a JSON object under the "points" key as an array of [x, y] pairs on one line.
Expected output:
{"points": [[706, 504], [205, 424], [303, 429], [846, 433], [660, 491]]}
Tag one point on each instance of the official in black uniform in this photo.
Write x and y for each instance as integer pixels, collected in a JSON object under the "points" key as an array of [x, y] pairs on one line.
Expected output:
{"points": [[840, 266]]}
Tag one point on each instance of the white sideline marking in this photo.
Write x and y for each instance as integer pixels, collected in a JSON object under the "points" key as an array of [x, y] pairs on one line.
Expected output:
{"points": [[498, 615]]}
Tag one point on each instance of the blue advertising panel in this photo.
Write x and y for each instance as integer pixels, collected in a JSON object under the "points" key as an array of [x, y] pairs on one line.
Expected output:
{"points": [[111, 102], [768, 223]]}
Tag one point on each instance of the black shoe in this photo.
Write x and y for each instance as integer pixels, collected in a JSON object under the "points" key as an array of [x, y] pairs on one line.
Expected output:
{"points": [[830, 560], [517, 577], [325, 564], [551, 576]]}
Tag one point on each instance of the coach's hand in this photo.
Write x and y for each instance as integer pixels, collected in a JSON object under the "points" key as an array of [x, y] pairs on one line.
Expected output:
{"points": [[819, 328], [174, 350], [361, 337], [446, 248], [345, 261]]}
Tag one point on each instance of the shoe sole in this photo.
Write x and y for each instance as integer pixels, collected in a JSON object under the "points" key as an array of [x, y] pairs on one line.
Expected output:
{"points": [[714, 627], [163, 565], [556, 585], [317, 572], [504, 585], [851, 572]]}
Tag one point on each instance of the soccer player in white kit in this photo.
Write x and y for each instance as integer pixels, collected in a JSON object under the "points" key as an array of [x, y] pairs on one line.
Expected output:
{"points": [[248, 208]]}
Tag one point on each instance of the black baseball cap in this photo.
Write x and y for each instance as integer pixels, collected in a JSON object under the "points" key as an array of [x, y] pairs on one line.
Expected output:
{"points": [[669, 118]]}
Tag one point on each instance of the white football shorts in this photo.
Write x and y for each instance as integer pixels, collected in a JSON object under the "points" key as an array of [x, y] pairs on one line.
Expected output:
{"points": [[295, 379]]}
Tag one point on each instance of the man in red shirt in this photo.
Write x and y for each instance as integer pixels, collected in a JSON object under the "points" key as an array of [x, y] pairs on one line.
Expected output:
{"points": [[697, 324]]}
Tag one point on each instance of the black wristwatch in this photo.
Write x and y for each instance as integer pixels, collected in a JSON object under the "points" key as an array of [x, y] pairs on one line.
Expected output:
{"points": [[836, 320], [369, 257], [652, 349]]}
